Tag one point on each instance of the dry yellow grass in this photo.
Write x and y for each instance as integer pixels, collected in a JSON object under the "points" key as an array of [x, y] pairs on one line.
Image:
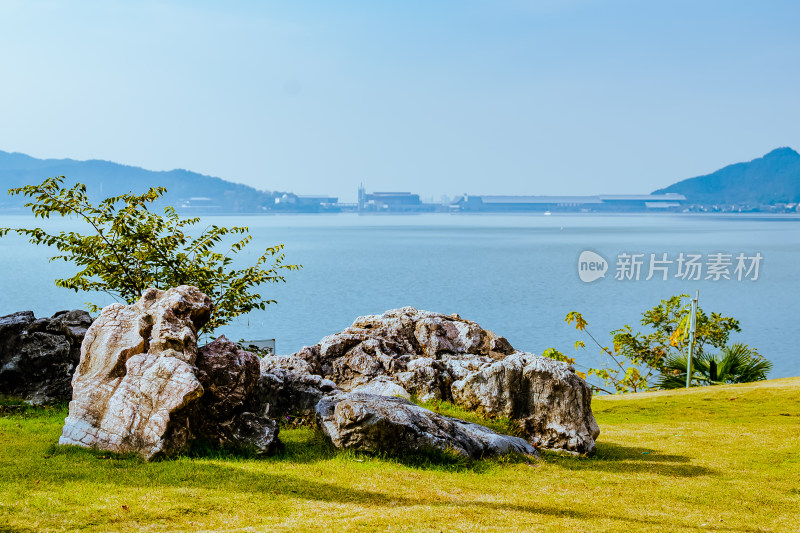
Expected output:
{"points": [[719, 459]]}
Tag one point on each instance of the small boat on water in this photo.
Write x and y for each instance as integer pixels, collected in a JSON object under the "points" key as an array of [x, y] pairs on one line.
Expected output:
{"points": [[547, 213]]}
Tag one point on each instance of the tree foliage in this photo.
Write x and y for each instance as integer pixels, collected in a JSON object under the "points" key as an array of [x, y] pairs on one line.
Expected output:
{"points": [[640, 361], [669, 323], [131, 248]]}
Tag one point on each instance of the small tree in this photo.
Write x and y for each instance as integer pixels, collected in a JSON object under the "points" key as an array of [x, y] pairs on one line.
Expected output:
{"points": [[131, 248], [640, 361], [669, 322], [621, 376]]}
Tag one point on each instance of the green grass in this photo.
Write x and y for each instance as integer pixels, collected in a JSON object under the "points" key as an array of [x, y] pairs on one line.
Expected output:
{"points": [[500, 425], [721, 458]]}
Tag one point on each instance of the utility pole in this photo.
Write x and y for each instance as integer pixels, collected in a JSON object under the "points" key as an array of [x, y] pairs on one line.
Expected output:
{"points": [[692, 337]]}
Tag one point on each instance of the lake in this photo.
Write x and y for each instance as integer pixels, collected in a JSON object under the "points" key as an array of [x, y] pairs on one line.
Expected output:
{"points": [[514, 274]]}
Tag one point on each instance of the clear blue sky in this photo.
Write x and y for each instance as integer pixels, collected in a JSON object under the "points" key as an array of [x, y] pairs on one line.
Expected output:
{"points": [[436, 97]]}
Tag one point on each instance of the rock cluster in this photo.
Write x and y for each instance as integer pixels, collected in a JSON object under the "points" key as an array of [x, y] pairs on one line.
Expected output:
{"points": [[142, 385], [436, 356], [39, 356]]}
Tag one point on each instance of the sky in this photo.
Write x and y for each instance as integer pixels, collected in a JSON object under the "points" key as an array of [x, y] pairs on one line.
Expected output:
{"points": [[435, 97]]}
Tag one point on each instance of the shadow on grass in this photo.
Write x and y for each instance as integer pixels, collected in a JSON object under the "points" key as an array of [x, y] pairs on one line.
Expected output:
{"points": [[10, 529], [309, 445], [669, 524], [244, 477], [307, 448], [237, 476], [612, 451], [613, 457]]}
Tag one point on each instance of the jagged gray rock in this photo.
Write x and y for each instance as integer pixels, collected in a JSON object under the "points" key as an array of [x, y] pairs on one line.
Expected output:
{"points": [[287, 386], [376, 424], [137, 388], [436, 356], [383, 386], [421, 351], [39, 356], [550, 404]]}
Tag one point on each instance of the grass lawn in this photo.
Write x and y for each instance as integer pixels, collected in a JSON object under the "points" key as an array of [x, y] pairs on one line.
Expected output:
{"points": [[723, 458]]}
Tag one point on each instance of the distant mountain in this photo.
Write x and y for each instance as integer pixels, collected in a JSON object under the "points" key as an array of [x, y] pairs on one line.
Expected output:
{"points": [[774, 178], [187, 191]]}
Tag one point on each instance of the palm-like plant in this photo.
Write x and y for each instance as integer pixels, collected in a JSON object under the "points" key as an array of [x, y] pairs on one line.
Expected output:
{"points": [[737, 363]]}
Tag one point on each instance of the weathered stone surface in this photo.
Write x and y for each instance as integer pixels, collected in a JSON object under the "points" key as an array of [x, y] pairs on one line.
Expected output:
{"points": [[39, 356], [136, 378], [143, 386], [230, 412], [382, 386], [287, 386], [549, 402], [414, 347], [372, 423], [435, 356]]}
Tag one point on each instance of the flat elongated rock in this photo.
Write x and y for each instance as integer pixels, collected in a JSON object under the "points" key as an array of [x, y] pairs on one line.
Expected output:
{"points": [[373, 423], [435, 356]]}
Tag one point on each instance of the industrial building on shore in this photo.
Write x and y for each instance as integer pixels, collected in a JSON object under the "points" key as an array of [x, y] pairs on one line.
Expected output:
{"points": [[408, 202], [393, 202], [587, 204]]}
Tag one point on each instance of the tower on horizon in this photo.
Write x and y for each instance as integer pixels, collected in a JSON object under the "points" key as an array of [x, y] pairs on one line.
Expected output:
{"points": [[361, 197]]}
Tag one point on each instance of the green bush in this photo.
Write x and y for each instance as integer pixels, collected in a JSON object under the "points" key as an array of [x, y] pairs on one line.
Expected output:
{"points": [[738, 363], [130, 248], [657, 359]]}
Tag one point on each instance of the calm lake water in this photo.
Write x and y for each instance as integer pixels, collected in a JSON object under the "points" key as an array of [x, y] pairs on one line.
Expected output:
{"points": [[516, 275]]}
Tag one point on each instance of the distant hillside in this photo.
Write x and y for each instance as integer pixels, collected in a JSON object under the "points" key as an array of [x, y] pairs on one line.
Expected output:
{"points": [[188, 191], [774, 178]]}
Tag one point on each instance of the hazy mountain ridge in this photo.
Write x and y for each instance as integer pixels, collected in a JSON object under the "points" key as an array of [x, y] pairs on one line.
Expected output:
{"points": [[768, 180], [105, 178]]}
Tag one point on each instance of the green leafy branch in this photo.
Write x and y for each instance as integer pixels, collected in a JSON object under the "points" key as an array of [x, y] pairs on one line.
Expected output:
{"points": [[132, 248], [641, 361]]}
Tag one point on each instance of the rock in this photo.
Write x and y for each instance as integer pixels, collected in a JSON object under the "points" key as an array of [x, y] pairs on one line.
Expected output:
{"points": [[444, 357], [288, 387], [39, 356], [376, 424], [549, 403], [381, 386], [136, 380], [230, 412], [141, 385], [413, 347]]}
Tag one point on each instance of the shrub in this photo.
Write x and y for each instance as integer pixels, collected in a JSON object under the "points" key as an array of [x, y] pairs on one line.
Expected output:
{"points": [[130, 248], [640, 361]]}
